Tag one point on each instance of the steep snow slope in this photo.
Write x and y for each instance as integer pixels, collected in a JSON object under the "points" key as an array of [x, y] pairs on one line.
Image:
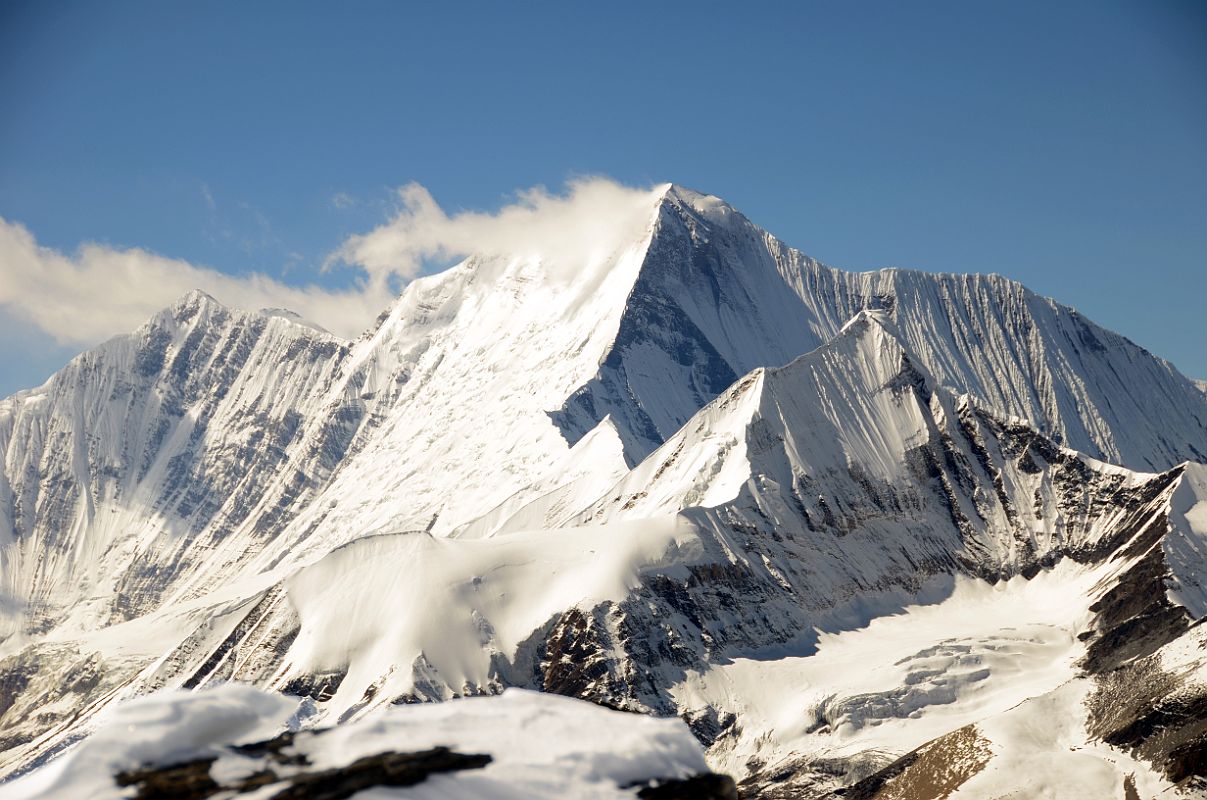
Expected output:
{"points": [[124, 472], [718, 297], [457, 381]]}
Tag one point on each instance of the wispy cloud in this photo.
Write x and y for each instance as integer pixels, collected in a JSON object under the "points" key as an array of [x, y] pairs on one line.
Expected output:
{"points": [[97, 292], [342, 200], [85, 297], [593, 217]]}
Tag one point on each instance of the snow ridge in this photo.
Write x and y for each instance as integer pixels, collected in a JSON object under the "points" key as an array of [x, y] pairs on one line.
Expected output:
{"points": [[719, 297]]}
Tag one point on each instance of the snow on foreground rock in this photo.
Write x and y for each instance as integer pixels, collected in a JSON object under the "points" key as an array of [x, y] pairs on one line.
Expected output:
{"points": [[539, 745]]}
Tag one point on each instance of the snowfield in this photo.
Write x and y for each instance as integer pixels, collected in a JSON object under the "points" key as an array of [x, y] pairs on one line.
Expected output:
{"points": [[906, 677]]}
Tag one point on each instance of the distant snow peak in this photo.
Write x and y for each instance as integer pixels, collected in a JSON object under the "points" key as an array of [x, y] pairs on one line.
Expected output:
{"points": [[294, 317], [706, 206], [195, 297]]}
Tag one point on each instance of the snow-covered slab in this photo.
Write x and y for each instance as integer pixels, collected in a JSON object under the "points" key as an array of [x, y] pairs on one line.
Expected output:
{"points": [[379, 605], [540, 746], [1186, 544]]}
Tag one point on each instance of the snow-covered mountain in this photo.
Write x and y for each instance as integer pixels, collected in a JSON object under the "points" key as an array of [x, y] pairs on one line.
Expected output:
{"points": [[700, 474], [717, 297]]}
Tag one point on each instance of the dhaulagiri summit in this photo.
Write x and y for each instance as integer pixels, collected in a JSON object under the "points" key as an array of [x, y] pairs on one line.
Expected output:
{"points": [[877, 534]]}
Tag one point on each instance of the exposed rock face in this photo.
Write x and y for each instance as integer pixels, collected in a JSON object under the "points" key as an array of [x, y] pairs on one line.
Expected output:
{"points": [[698, 787], [193, 780], [1145, 708], [934, 770]]}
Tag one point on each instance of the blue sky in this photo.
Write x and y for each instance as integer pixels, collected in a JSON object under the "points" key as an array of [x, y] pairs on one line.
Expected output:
{"points": [[1064, 145]]}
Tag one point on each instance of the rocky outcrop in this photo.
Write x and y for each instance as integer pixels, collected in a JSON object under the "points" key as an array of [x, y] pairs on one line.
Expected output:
{"points": [[289, 776]]}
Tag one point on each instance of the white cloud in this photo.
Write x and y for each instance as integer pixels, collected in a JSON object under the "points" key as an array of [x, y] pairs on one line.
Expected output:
{"points": [[98, 292], [594, 217], [83, 298]]}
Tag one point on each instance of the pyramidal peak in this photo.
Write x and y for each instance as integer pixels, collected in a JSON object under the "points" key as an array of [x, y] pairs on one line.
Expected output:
{"points": [[868, 348], [840, 403], [195, 297], [193, 302], [706, 206], [294, 318]]}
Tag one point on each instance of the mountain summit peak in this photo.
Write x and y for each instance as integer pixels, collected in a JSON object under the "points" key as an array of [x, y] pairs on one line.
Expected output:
{"points": [[193, 299], [706, 208]]}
